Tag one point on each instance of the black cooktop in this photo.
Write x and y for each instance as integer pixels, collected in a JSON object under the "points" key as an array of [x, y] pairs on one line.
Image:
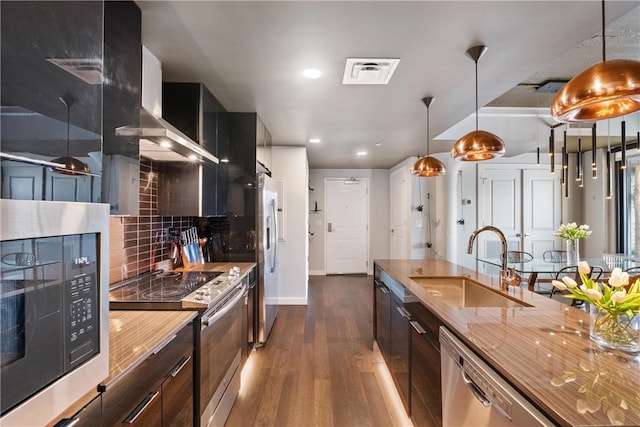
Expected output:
{"points": [[160, 287]]}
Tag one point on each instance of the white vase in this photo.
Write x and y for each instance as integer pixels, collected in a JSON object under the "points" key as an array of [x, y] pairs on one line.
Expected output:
{"points": [[573, 252]]}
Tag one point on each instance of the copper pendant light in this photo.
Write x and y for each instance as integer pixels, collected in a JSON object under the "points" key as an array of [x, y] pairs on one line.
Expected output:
{"points": [[428, 166], [606, 90], [477, 145], [72, 166]]}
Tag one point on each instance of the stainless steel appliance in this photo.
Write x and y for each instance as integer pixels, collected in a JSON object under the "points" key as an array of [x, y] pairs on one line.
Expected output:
{"points": [[473, 394], [53, 306], [267, 289], [220, 300]]}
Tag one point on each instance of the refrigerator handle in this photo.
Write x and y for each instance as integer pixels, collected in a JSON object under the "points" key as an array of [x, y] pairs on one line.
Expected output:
{"points": [[275, 236]]}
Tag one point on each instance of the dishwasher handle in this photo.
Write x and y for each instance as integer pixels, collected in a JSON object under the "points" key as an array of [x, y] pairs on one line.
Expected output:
{"points": [[475, 389]]}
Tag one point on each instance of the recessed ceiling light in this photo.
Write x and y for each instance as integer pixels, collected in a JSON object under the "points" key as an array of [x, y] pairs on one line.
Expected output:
{"points": [[378, 144], [193, 157], [224, 160], [361, 153], [165, 144], [314, 140], [312, 73]]}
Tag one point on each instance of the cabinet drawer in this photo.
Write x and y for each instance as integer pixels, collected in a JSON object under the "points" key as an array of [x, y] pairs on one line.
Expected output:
{"points": [[123, 396]]}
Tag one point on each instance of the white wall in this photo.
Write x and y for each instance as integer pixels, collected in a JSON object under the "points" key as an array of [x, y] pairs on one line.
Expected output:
{"points": [[378, 213], [290, 164]]}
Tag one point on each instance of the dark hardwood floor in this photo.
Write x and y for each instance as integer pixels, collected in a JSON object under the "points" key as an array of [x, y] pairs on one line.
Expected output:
{"points": [[319, 367]]}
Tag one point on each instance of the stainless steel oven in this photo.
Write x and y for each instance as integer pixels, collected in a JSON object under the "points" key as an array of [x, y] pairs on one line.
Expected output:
{"points": [[53, 306]]}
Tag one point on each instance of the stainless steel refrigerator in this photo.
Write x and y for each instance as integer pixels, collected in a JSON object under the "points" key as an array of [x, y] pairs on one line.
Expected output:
{"points": [[267, 227]]}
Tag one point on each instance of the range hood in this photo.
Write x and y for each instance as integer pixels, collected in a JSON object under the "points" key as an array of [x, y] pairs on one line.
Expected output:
{"points": [[159, 140]]}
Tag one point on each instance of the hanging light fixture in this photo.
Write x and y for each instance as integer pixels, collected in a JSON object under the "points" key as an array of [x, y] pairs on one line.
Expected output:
{"points": [[428, 166], [606, 90], [623, 145], [72, 166], [479, 144]]}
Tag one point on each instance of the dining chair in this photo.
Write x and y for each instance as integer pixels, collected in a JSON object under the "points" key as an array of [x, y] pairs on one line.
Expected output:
{"points": [[572, 271], [518, 256], [554, 256]]}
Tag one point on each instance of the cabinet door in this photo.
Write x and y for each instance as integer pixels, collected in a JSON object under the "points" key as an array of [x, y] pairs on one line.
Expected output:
{"points": [[177, 394], [426, 396], [383, 321], [399, 351], [89, 416], [147, 413]]}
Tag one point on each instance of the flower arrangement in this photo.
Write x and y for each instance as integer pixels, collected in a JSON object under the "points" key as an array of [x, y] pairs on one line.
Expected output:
{"points": [[572, 231], [613, 306]]}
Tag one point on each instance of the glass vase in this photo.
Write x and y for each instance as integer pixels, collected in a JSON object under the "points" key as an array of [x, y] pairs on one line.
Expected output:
{"points": [[573, 252], [616, 332]]}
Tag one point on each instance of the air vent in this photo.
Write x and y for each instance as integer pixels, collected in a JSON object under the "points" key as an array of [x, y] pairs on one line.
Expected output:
{"points": [[363, 71], [86, 69], [551, 86]]}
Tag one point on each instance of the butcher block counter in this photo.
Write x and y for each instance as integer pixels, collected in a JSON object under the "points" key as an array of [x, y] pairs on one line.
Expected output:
{"points": [[542, 348]]}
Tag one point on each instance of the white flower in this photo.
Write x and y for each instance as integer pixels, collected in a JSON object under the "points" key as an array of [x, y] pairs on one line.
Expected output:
{"points": [[558, 284], [618, 278], [584, 268], [619, 296], [569, 282], [595, 294]]}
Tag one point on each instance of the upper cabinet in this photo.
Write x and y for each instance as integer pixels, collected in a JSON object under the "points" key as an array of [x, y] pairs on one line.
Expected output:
{"points": [[51, 106], [122, 98], [193, 109]]}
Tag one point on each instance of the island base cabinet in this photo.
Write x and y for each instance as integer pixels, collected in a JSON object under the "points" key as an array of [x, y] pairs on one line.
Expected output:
{"points": [[399, 351], [426, 401]]}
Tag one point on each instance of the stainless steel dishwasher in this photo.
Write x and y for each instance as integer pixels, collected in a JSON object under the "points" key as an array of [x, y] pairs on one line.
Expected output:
{"points": [[473, 394]]}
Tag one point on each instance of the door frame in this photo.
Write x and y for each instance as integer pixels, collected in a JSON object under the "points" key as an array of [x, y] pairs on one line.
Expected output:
{"points": [[368, 228]]}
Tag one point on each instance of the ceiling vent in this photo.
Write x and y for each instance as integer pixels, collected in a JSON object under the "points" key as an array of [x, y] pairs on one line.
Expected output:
{"points": [[364, 71]]}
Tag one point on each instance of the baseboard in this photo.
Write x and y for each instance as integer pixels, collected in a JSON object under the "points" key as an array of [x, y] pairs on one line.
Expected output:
{"points": [[317, 273], [291, 301]]}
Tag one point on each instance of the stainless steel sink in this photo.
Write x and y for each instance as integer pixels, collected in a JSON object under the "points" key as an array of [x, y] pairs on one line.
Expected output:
{"points": [[460, 292]]}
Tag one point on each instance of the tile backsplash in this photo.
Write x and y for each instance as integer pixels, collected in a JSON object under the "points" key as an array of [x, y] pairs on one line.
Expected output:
{"points": [[139, 243]]}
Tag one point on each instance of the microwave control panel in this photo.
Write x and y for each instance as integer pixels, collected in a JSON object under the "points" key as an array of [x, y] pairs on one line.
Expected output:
{"points": [[82, 318]]}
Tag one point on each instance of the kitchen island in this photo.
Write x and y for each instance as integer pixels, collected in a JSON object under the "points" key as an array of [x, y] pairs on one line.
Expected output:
{"points": [[541, 347]]}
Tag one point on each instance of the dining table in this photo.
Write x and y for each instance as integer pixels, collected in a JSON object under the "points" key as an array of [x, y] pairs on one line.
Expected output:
{"points": [[538, 266]]}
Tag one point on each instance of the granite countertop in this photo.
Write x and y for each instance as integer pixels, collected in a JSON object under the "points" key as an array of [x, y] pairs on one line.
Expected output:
{"points": [[543, 350]]}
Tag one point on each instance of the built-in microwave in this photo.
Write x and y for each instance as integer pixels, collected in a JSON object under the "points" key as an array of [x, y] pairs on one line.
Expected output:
{"points": [[53, 306]]}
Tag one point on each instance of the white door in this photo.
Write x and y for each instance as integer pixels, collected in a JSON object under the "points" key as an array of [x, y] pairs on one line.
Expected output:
{"points": [[541, 198], [501, 198], [397, 218], [347, 216]]}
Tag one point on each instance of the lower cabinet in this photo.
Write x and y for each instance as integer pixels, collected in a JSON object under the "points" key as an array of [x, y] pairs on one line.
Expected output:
{"points": [[157, 392], [89, 416], [407, 334], [426, 393]]}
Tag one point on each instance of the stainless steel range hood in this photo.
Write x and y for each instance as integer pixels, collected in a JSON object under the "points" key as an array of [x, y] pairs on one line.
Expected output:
{"points": [[162, 142], [159, 140]]}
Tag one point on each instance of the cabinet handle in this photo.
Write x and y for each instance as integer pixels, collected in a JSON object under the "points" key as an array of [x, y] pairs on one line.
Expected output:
{"points": [[141, 407], [384, 289], [418, 327], [403, 312], [176, 369], [67, 422]]}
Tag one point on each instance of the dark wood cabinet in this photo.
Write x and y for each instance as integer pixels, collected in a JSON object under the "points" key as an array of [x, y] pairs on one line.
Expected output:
{"points": [[193, 109], [426, 393], [399, 343], [157, 392], [391, 329], [51, 77], [89, 416]]}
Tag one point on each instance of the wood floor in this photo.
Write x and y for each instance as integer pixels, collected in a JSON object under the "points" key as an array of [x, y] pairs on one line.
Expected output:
{"points": [[319, 367]]}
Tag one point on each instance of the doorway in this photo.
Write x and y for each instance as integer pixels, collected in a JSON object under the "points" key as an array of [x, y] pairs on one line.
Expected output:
{"points": [[347, 226]]}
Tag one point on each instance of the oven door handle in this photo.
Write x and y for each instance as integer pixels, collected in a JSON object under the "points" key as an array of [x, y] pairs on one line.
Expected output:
{"points": [[209, 320]]}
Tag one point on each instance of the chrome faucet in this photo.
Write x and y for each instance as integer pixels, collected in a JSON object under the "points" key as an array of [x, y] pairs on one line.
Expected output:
{"points": [[508, 276]]}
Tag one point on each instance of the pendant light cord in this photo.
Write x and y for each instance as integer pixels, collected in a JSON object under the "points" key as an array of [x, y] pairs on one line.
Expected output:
{"points": [[476, 61], [428, 139], [604, 50]]}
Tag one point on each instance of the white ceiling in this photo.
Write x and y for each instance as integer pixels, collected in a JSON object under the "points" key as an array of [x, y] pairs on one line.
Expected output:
{"points": [[251, 55]]}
